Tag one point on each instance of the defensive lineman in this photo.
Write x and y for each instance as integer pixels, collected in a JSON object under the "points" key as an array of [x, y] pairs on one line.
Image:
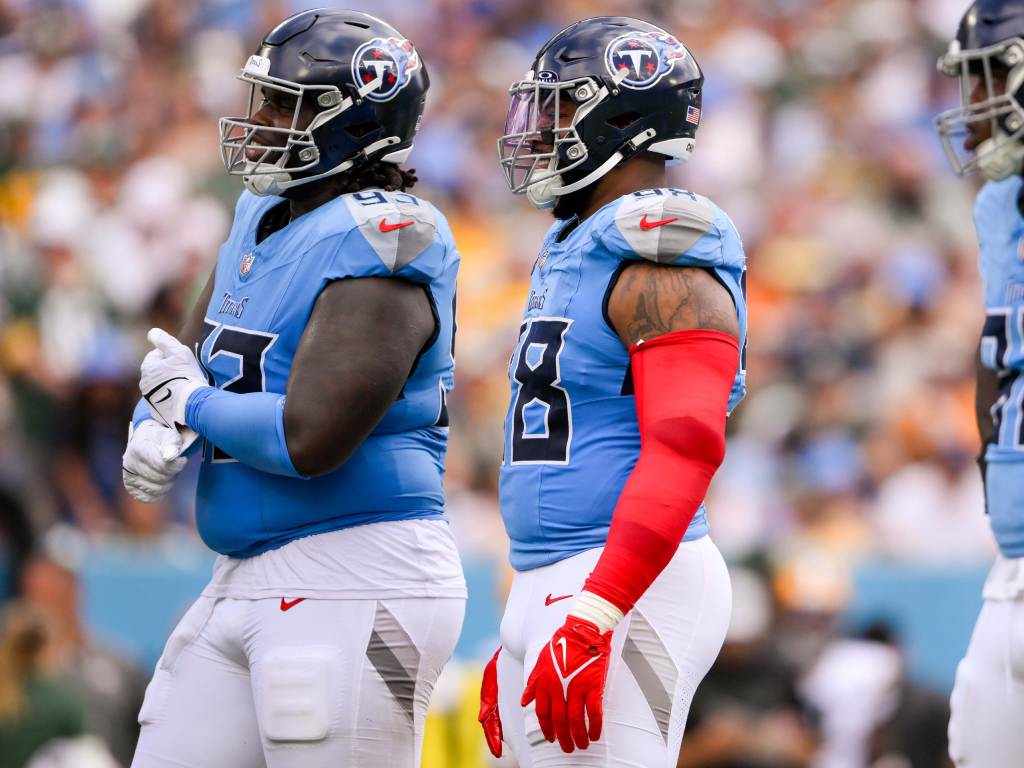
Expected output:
{"points": [[986, 729], [324, 341], [627, 365]]}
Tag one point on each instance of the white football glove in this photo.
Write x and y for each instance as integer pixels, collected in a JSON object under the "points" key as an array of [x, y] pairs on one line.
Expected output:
{"points": [[170, 373], [151, 461]]}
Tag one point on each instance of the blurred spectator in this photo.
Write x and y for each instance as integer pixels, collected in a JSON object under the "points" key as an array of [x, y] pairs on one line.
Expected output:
{"points": [[16, 538], [747, 713], [35, 708], [871, 713], [87, 468], [110, 685], [916, 735], [80, 752]]}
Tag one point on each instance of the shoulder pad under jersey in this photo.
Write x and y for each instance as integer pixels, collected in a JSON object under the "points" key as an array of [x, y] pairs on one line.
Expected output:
{"points": [[671, 226], [394, 233]]}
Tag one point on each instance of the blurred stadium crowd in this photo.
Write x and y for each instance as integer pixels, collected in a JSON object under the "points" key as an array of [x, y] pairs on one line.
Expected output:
{"points": [[855, 445]]}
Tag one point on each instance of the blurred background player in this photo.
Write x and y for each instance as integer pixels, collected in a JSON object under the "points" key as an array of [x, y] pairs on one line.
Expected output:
{"points": [[627, 366], [338, 596], [987, 55]]}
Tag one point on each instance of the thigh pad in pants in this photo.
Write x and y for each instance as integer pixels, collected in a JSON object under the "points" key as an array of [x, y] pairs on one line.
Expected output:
{"points": [[292, 696]]}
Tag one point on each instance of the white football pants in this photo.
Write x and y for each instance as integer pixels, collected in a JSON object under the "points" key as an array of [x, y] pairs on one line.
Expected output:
{"points": [[660, 653], [986, 727], [297, 684]]}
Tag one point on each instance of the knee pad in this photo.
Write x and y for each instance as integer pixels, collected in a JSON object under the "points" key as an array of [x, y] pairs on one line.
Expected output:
{"points": [[293, 702]]}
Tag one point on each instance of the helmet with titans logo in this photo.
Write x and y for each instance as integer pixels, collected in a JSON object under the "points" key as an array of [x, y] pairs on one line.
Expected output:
{"points": [[598, 93], [355, 89]]}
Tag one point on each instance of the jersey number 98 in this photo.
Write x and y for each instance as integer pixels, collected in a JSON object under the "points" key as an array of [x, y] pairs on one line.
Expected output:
{"points": [[541, 427]]}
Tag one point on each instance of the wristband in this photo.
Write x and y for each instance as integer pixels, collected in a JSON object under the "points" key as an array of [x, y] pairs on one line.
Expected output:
{"points": [[248, 427]]}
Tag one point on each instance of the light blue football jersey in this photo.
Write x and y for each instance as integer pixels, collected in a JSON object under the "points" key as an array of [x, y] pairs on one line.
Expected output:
{"points": [[262, 299], [1000, 227], [571, 434]]}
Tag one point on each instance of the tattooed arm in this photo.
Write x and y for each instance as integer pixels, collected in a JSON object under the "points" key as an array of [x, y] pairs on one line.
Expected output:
{"points": [[682, 375], [653, 299]]}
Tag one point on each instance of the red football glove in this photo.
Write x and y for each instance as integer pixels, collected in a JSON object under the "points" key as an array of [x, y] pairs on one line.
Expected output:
{"points": [[568, 680], [489, 718]]}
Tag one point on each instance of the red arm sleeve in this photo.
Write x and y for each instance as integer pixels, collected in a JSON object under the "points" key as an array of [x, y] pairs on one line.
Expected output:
{"points": [[682, 382]]}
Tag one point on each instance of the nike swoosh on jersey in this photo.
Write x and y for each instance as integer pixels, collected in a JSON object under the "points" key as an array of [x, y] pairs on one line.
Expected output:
{"points": [[645, 224], [286, 604], [385, 227]]}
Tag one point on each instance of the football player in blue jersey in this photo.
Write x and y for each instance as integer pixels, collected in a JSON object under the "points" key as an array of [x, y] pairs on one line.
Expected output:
{"points": [[986, 728], [312, 375], [627, 365]]}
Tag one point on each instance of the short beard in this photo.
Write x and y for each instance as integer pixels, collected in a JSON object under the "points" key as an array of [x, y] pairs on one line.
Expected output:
{"points": [[574, 203]]}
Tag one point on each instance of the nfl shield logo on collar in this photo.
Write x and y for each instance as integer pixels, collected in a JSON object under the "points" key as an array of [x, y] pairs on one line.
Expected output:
{"points": [[246, 266]]}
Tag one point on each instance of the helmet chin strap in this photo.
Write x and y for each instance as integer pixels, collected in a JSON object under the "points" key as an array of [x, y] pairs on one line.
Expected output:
{"points": [[999, 160], [591, 177], [543, 193], [271, 183], [263, 182]]}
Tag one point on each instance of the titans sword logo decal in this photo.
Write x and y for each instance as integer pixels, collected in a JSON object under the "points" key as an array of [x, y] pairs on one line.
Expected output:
{"points": [[392, 60], [646, 57]]}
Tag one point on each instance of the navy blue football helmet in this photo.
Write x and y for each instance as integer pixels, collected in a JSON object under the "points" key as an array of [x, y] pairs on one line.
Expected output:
{"points": [[598, 92], [990, 40], [356, 90]]}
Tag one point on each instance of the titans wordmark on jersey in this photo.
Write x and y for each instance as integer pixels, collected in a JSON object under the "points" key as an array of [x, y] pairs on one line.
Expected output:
{"points": [[571, 434], [262, 299], [1000, 227]]}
